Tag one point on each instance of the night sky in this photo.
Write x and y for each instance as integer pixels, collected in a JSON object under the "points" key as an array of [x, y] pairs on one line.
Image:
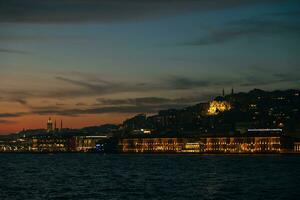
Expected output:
{"points": [[91, 62]]}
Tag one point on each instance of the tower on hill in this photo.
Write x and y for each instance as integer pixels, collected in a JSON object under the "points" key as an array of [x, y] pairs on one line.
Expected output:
{"points": [[49, 125]]}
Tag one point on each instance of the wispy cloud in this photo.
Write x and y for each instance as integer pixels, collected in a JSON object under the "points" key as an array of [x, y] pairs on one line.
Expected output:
{"points": [[167, 83], [108, 109], [52, 110], [3, 121], [65, 11], [180, 82], [9, 115], [295, 13], [246, 28], [2, 50], [256, 81], [21, 101], [151, 101], [100, 87]]}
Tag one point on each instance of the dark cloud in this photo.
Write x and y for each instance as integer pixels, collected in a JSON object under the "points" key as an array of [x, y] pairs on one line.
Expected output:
{"points": [[109, 109], [257, 77], [99, 87], [246, 28], [17, 37], [85, 84], [175, 83], [89, 87], [2, 50], [134, 105], [3, 121], [295, 13], [60, 104], [80, 104], [8, 115], [66, 11], [170, 83], [14, 97], [21, 101], [256, 80], [148, 101], [186, 83], [134, 101], [53, 110], [126, 105]]}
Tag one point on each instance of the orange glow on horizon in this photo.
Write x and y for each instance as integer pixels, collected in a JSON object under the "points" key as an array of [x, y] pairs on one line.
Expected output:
{"points": [[39, 122]]}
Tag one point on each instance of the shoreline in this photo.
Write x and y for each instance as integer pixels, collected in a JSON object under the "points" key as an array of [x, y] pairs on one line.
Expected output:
{"points": [[149, 153]]}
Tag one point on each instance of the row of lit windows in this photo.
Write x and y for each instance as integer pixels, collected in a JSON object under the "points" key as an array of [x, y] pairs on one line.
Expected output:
{"points": [[200, 150], [47, 141], [297, 147], [235, 143], [198, 145], [151, 150], [50, 145]]}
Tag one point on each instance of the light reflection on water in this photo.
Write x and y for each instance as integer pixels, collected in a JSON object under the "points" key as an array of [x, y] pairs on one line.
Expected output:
{"points": [[94, 176]]}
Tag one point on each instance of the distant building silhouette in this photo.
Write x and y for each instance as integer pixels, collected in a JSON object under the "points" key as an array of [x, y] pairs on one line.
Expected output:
{"points": [[49, 125]]}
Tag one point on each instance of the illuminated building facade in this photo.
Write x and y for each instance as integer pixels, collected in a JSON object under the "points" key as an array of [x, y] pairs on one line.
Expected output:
{"points": [[50, 144], [297, 147], [151, 145], [259, 144], [17, 145], [87, 143], [234, 144]]}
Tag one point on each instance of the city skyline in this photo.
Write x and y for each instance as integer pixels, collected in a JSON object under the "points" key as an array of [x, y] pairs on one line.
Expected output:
{"points": [[96, 62]]}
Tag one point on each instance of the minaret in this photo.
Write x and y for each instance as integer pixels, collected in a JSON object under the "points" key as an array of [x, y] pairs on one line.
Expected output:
{"points": [[55, 125], [232, 92], [61, 125], [223, 92]]}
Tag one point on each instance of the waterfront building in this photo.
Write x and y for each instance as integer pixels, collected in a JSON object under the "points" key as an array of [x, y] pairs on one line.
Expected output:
{"points": [[203, 144], [50, 143], [259, 144], [88, 143], [297, 147], [151, 145], [16, 145]]}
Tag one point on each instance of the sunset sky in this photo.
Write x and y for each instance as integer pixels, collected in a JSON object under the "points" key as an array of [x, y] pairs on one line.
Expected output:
{"points": [[91, 62]]}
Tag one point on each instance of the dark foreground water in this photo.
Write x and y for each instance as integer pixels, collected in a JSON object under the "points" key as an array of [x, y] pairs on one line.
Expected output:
{"points": [[94, 176]]}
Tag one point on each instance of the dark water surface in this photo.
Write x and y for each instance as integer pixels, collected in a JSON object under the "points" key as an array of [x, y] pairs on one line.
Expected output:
{"points": [[94, 176]]}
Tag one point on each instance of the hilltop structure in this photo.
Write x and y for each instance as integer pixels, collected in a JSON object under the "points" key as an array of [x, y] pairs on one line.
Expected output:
{"points": [[53, 128], [49, 125]]}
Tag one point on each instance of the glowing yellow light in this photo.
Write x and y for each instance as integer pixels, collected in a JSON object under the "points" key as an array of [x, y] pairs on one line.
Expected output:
{"points": [[215, 107]]}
